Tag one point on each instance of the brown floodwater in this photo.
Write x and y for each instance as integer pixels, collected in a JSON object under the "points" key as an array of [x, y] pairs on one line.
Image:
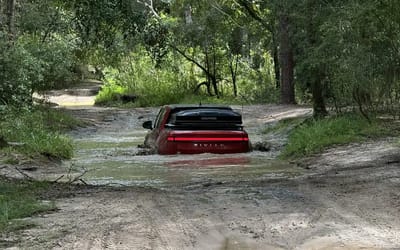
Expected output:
{"points": [[109, 154]]}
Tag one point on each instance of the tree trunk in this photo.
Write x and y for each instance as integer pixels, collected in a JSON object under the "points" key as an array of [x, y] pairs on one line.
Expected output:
{"points": [[317, 92], [208, 73], [318, 98], [211, 71], [207, 84], [317, 72], [233, 65], [277, 69], [10, 22], [286, 62], [2, 14], [214, 74], [275, 57]]}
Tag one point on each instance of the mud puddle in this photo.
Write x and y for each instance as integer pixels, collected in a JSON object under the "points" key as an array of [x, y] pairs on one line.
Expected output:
{"points": [[109, 156]]}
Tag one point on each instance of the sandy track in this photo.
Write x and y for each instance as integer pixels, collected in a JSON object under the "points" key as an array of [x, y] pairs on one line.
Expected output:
{"points": [[345, 207]]}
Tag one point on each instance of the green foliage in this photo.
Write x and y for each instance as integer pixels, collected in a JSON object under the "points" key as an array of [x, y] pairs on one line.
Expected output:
{"points": [[107, 27], [29, 65], [111, 90], [221, 43], [156, 36], [176, 79], [17, 68], [44, 19], [19, 200], [35, 131], [139, 76], [316, 135], [256, 83], [351, 49], [346, 52], [55, 61], [40, 53]]}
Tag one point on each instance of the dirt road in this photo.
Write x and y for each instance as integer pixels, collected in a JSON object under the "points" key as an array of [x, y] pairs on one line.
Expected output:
{"points": [[346, 198]]}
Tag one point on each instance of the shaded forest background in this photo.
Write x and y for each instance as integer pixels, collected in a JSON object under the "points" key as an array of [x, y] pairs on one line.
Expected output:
{"points": [[329, 53]]}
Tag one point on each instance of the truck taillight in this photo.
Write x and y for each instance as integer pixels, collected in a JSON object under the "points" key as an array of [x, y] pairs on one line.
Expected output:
{"points": [[203, 139]]}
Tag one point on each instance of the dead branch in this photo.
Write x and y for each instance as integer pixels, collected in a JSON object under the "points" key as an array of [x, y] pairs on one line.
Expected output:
{"points": [[84, 182], [78, 178], [72, 179], [59, 178], [24, 174]]}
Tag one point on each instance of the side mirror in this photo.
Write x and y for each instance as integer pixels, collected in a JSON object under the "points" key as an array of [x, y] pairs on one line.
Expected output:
{"points": [[148, 125]]}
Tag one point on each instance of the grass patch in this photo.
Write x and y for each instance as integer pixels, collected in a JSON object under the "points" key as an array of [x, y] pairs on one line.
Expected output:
{"points": [[20, 199], [109, 95], [314, 136], [37, 132]]}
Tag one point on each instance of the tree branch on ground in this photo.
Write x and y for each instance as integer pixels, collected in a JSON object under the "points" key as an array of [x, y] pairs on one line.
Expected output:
{"points": [[24, 174], [78, 178], [59, 178]]}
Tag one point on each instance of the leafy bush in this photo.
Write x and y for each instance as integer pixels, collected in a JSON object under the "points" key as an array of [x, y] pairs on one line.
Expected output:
{"points": [[33, 130], [17, 68], [257, 85], [138, 76], [29, 65], [111, 90], [55, 59], [316, 135]]}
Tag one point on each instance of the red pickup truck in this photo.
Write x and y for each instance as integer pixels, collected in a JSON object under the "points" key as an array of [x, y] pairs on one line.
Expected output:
{"points": [[193, 129]]}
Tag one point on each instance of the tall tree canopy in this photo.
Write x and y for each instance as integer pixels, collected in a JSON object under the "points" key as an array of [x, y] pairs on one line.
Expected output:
{"points": [[331, 53]]}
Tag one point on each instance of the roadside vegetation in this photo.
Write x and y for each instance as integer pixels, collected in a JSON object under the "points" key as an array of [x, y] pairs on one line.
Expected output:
{"points": [[312, 136], [31, 133], [36, 132], [178, 82], [19, 199]]}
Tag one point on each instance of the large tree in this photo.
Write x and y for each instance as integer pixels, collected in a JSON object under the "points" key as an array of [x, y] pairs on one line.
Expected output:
{"points": [[201, 36], [274, 16]]}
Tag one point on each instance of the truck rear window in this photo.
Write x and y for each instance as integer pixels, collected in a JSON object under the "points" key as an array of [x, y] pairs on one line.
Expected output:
{"points": [[205, 119]]}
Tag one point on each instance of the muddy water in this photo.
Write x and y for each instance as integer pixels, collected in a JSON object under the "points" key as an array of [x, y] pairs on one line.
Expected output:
{"points": [[109, 154]]}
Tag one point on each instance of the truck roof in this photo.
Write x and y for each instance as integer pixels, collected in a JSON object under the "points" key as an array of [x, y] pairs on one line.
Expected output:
{"points": [[196, 106]]}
